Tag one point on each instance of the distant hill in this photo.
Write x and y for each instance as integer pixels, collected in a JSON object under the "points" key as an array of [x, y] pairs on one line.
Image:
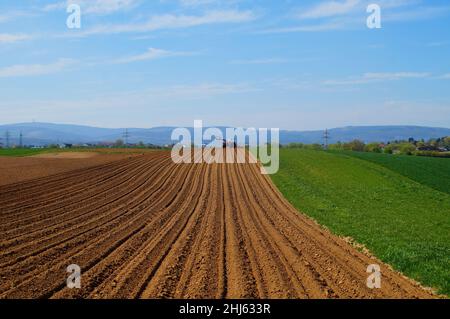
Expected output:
{"points": [[47, 133], [366, 133]]}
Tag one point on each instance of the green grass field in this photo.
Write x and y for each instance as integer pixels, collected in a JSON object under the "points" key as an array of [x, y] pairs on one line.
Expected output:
{"points": [[430, 171], [20, 152], [404, 222]]}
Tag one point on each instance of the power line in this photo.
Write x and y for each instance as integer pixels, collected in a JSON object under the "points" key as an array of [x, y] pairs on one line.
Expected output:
{"points": [[21, 139], [7, 135], [126, 135], [326, 136]]}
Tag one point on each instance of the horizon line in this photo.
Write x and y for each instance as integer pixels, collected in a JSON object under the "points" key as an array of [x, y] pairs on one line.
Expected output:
{"points": [[227, 126]]}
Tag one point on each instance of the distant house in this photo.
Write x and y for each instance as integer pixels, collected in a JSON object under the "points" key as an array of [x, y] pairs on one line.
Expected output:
{"points": [[427, 148], [105, 144], [65, 145]]}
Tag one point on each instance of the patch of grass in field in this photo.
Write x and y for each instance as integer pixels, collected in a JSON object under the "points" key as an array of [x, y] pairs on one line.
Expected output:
{"points": [[431, 171], [404, 223]]}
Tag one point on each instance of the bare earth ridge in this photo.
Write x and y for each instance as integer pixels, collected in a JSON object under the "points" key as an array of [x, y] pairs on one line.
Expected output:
{"points": [[144, 227]]}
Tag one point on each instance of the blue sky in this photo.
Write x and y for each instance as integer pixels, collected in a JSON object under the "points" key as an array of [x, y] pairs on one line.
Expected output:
{"points": [[255, 63]]}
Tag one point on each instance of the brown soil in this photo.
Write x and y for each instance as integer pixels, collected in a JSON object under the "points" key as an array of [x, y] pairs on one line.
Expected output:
{"points": [[18, 169], [145, 227], [67, 155]]}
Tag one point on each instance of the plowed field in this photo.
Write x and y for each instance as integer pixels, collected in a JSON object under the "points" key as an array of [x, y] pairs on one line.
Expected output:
{"points": [[19, 169], [144, 227]]}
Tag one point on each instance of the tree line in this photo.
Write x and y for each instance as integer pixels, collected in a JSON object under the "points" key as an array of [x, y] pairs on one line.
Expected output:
{"points": [[439, 147]]}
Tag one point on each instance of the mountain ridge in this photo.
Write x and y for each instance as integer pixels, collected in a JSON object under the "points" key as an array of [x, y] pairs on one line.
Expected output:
{"points": [[41, 133]]}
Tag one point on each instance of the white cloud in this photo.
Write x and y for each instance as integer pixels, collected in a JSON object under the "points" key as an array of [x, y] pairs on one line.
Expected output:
{"points": [[350, 14], [21, 70], [436, 44], [329, 9], [395, 76], [200, 91], [260, 61], [170, 21], [95, 6], [393, 4], [10, 38], [418, 13], [153, 54], [194, 3], [12, 15], [56, 6], [290, 84], [336, 8], [305, 28], [377, 77]]}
